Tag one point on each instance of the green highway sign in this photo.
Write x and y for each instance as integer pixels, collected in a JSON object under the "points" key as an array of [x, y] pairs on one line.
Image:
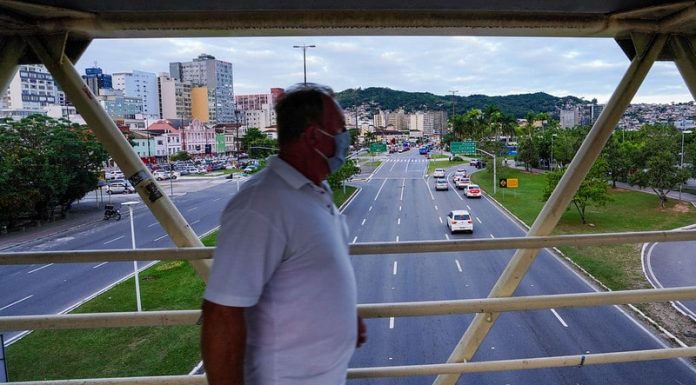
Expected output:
{"points": [[467, 147], [378, 147]]}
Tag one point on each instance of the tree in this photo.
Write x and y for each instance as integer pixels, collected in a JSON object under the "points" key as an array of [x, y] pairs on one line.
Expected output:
{"points": [[181, 155], [45, 163], [348, 169], [257, 144], [354, 135], [593, 191], [528, 152]]}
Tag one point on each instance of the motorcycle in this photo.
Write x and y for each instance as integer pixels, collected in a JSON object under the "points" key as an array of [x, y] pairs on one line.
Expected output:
{"points": [[111, 212]]}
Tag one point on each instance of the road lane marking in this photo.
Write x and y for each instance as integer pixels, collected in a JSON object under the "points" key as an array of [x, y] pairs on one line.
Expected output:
{"points": [[428, 188], [192, 208], [380, 190], [100, 265], [403, 186], [370, 209], [393, 165], [447, 236], [435, 207], [565, 325], [216, 199], [492, 236], [391, 324], [397, 238], [440, 218], [194, 222], [395, 268], [459, 267], [398, 221], [164, 236], [355, 239], [399, 208], [363, 222], [39, 268], [16, 302], [479, 221], [468, 207], [113, 240], [153, 224]]}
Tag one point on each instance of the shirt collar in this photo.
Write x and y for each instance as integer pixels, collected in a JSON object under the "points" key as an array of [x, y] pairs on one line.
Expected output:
{"points": [[288, 173]]}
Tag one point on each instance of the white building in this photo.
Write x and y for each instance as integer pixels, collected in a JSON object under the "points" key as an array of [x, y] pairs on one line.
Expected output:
{"points": [[166, 87], [140, 84], [30, 91]]}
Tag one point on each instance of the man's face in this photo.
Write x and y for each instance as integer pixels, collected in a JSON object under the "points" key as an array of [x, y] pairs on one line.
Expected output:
{"points": [[333, 123]]}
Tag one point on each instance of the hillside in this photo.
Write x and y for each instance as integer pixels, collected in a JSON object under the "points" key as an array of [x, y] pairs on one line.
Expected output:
{"points": [[388, 99]]}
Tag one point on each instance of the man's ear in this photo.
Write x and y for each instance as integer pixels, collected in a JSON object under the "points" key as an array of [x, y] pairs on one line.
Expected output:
{"points": [[310, 134]]}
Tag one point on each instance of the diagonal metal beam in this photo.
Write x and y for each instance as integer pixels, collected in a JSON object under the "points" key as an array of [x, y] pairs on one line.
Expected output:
{"points": [[12, 50], [558, 201], [49, 50], [685, 59]]}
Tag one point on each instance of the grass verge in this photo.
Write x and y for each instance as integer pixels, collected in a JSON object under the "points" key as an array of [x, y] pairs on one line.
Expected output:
{"points": [[617, 266], [123, 352]]}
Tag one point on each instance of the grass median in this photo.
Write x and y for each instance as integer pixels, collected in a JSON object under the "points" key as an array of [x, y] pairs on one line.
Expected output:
{"points": [[123, 352], [617, 266]]}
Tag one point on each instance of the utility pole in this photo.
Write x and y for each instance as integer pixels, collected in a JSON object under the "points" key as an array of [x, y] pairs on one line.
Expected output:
{"points": [[453, 92], [304, 57]]}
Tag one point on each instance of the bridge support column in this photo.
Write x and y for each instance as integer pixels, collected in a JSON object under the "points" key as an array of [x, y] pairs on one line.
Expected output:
{"points": [[12, 49]]}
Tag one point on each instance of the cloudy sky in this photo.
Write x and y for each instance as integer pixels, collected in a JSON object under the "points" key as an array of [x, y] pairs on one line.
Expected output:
{"points": [[588, 68]]}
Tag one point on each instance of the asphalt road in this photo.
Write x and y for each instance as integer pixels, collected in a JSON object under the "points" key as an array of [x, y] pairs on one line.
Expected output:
{"points": [[398, 204], [671, 264]]}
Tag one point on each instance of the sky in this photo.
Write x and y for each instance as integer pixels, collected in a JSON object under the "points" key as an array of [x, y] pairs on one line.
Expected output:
{"points": [[583, 67]]}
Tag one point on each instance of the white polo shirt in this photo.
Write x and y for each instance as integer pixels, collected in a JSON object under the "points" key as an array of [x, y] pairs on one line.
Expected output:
{"points": [[282, 252]]}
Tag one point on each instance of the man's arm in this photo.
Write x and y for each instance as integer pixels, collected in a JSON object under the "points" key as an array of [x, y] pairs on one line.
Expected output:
{"points": [[223, 343]]}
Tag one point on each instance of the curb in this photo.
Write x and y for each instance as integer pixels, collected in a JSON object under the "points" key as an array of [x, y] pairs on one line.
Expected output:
{"points": [[593, 279]]}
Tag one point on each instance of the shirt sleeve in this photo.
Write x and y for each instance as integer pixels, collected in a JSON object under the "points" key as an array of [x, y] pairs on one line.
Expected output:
{"points": [[249, 249]]}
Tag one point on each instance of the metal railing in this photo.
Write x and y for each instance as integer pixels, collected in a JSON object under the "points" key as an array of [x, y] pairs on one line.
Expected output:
{"points": [[483, 306]]}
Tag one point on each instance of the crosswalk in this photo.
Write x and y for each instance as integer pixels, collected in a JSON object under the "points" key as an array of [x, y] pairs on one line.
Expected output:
{"points": [[405, 160]]}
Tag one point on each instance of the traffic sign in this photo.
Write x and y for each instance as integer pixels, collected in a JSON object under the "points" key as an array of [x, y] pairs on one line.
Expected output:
{"points": [[513, 183], [378, 147], [467, 147], [503, 183]]}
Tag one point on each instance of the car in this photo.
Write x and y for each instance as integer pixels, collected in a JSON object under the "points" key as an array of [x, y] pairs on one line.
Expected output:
{"points": [[439, 173], [472, 191], [119, 186], [462, 182], [113, 174], [459, 173], [460, 220], [473, 162], [441, 184], [165, 175]]}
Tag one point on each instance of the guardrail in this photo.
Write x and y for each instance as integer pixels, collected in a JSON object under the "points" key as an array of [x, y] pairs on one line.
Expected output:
{"points": [[407, 309]]}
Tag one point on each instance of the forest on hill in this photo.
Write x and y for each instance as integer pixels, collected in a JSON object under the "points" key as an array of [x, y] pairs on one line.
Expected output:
{"points": [[515, 105]]}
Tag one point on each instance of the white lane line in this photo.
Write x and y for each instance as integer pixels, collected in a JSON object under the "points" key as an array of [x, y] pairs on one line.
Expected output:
{"points": [[399, 208], [565, 325], [100, 265], [398, 221], [447, 236], [370, 209], [192, 208], [459, 267], [428, 188], [153, 224], [164, 236], [114, 240], [395, 268], [393, 165], [391, 322], [216, 199], [440, 218], [397, 238], [379, 191], [16, 302], [435, 207], [479, 221], [492, 236], [194, 222], [355, 239], [468, 207], [363, 222], [403, 186], [39, 268]]}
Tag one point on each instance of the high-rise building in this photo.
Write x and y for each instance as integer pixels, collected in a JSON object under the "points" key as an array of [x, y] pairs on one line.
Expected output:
{"points": [[30, 90], [167, 96], [96, 79], [258, 110], [216, 76], [140, 84]]}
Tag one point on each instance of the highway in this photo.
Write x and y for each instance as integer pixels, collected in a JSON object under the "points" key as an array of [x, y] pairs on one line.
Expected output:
{"points": [[396, 204]]}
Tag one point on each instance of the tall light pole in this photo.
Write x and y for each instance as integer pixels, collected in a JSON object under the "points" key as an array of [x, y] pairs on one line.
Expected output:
{"points": [[304, 57], [681, 163], [135, 263], [453, 92]]}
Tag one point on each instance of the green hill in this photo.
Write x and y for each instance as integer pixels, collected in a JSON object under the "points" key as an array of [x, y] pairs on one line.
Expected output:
{"points": [[388, 99]]}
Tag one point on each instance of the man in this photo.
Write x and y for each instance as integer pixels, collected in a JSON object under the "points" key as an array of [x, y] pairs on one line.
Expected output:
{"points": [[280, 305]]}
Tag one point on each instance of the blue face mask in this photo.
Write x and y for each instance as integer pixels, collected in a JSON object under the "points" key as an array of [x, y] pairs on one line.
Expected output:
{"points": [[342, 142]]}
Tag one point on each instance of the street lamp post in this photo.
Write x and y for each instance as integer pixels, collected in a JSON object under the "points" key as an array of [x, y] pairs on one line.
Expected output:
{"points": [[135, 263], [304, 57], [681, 163], [551, 161]]}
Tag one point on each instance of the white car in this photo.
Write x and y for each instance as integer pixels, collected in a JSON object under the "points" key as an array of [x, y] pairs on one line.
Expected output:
{"points": [[462, 182], [439, 173], [164, 175], [459, 173], [119, 186], [460, 220], [441, 184], [472, 191]]}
